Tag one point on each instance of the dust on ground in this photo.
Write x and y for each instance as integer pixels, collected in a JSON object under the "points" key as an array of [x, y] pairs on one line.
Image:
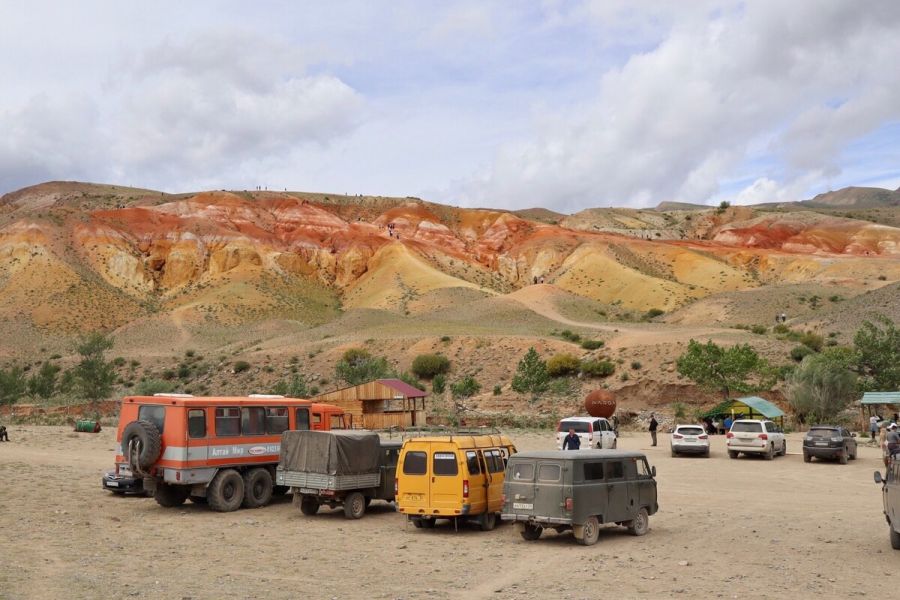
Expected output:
{"points": [[726, 528]]}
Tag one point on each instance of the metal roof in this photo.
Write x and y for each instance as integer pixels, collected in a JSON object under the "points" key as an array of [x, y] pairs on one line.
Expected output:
{"points": [[404, 388], [762, 406], [880, 398], [579, 454]]}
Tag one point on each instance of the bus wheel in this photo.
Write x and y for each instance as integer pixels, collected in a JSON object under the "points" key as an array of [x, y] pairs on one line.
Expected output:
{"points": [[226, 491], [257, 488], [171, 495]]}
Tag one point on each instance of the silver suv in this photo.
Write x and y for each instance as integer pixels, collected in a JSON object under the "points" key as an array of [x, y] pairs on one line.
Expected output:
{"points": [[890, 491], [753, 436]]}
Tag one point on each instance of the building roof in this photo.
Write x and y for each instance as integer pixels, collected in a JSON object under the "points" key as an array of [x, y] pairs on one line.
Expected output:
{"points": [[403, 388], [880, 398], [760, 405]]}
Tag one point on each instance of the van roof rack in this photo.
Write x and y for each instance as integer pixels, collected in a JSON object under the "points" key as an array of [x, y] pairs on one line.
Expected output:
{"points": [[172, 395], [266, 396], [413, 432]]}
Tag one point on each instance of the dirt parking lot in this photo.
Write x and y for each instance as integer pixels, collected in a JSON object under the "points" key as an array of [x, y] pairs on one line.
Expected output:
{"points": [[741, 528]]}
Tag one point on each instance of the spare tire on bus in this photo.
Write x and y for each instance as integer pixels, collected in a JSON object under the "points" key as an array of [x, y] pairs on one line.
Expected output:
{"points": [[149, 441]]}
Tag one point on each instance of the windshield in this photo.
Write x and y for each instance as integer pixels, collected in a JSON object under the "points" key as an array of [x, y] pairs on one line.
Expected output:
{"points": [[747, 426], [823, 433], [689, 430], [578, 426]]}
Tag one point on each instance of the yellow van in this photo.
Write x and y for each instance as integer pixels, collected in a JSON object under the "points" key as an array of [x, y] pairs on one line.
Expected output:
{"points": [[452, 477]]}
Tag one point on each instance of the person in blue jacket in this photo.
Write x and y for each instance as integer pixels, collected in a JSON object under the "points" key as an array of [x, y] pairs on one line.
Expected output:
{"points": [[571, 441]]}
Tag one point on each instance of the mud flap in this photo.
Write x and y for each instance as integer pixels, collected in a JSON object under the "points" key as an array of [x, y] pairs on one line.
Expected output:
{"points": [[578, 531]]}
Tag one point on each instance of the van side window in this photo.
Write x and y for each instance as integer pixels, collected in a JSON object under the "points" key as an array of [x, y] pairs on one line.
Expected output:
{"points": [[253, 420], [197, 423], [642, 469], [276, 419], [495, 464], [593, 471], [302, 419], [615, 470], [317, 418], [228, 421], [549, 473], [336, 422], [523, 472], [444, 463], [154, 413], [472, 463], [415, 463]]}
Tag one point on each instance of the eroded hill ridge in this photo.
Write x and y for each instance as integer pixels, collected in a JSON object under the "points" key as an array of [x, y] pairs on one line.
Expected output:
{"points": [[76, 254]]}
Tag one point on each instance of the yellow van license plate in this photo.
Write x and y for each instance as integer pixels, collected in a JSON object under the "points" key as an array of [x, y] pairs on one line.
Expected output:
{"points": [[522, 506], [414, 496]]}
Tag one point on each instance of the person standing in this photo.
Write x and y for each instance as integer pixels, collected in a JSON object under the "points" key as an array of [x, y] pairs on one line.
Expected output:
{"points": [[893, 440], [873, 427], [653, 427], [571, 441], [4, 437]]}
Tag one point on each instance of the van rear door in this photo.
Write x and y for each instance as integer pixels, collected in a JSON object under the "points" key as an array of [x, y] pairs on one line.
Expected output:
{"points": [[520, 486], [479, 481], [413, 479], [447, 481], [197, 442], [549, 496]]}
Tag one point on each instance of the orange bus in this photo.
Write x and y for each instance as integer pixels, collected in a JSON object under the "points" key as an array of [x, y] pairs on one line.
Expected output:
{"points": [[216, 450]]}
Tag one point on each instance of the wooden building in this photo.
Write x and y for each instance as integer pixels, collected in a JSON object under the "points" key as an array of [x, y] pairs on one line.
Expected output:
{"points": [[380, 404]]}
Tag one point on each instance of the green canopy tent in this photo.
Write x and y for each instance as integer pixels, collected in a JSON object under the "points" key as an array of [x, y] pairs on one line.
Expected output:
{"points": [[750, 407], [871, 400]]}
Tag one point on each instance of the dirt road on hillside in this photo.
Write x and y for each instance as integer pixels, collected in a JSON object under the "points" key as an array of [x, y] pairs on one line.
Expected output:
{"points": [[746, 528]]}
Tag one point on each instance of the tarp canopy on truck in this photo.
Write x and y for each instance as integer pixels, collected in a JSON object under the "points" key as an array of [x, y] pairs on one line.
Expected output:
{"points": [[330, 452]]}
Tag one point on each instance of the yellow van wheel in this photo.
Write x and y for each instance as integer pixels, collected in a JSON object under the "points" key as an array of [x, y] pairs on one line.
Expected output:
{"points": [[487, 521]]}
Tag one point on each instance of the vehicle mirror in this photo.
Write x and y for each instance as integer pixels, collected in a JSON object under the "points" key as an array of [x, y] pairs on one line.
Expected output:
{"points": [[878, 478], [653, 470], [852, 435]]}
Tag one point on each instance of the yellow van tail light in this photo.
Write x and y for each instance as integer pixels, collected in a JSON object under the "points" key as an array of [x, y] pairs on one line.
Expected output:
{"points": [[396, 486], [465, 488]]}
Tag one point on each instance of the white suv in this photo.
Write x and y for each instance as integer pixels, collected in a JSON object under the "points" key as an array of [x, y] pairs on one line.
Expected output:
{"points": [[690, 439], [752, 436], [595, 432]]}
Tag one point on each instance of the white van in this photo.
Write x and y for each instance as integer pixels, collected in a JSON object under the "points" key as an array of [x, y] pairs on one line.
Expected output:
{"points": [[595, 432]]}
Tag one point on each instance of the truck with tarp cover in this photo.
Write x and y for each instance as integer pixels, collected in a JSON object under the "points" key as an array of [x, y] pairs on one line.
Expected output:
{"points": [[348, 468]]}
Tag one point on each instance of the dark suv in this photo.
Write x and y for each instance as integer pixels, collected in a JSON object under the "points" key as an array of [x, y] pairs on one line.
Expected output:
{"points": [[831, 442]]}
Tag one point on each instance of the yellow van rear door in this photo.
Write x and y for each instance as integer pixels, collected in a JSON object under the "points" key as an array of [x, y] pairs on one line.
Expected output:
{"points": [[497, 470], [446, 479], [475, 475], [413, 477]]}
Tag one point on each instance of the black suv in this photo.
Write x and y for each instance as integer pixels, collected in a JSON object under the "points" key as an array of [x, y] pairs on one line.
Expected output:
{"points": [[829, 441]]}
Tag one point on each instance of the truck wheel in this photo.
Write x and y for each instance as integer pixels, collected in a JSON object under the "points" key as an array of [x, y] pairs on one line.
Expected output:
{"points": [[770, 452], [149, 441], [226, 491], [531, 532], [640, 524], [807, 457], [590, 532], [257, 488], [842, 457], [895, 539], [171, 495], [732, 454], [309, 505], [487, 521], [354, 505]]}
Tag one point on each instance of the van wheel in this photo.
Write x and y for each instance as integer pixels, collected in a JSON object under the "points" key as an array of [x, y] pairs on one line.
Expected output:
{"points": [[257, 488], [732, 454], [770, 452], [487, 521], [171, 495], [895, 539], [309, 505], [226, 491], [590, 532], [354, 505], [640, 524], [531, 532]]}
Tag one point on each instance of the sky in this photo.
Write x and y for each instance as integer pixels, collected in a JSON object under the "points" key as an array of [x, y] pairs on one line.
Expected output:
{"points": [[560, 104]]}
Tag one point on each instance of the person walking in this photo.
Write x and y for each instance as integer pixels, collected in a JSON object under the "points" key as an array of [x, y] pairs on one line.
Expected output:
{"points": [[893, 440], [571, 441], [4, 437], [653, 427], [873, 428]]}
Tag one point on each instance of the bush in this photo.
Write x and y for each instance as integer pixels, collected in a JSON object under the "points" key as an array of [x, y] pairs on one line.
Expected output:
{"points": [[168, 374], [592, 344], [438, 384], [295, 388], [189, 353], [781, 329], [465, 387], [562, 364], [12, 385], [759, 329], [569, 335], [427, 366], [358, 366], [636, 365], [119, 361], [653, 313], [184, 372], [798, 353], [445, 338], [679, 410], [241, 366], [148, 387], [497, 390], [598, 368]]}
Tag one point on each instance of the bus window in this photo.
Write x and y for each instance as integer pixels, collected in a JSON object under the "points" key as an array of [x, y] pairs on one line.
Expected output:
{"points": [[253, 420], [154, 413], [228, 421], [302, 418], [197, 423], [317, 420], [337, 421], [276, 419]]}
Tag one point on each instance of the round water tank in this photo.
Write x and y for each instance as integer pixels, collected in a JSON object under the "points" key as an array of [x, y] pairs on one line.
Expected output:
{"points": [[600, 403]]}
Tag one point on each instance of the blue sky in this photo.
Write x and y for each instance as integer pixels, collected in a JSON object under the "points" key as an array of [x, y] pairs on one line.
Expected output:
{"points": [[565, 105]]}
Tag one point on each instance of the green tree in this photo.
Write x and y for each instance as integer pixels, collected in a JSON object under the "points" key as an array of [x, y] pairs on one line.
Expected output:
{"points": [[531, 374], [295, 388], [358, 366], [821, 387], [466, 387], [439, 384], [735, 369], [427, 366], [12, 384], [43, 383], [878, 355], [94, 375]]}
